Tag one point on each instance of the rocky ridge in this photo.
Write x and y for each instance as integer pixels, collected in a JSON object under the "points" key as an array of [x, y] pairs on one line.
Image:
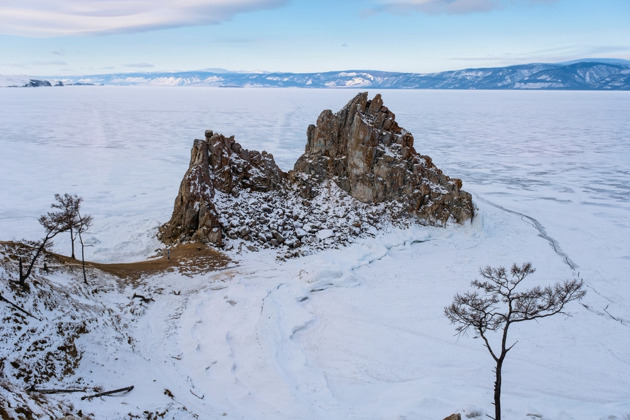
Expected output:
{"points": [[359, 172]]}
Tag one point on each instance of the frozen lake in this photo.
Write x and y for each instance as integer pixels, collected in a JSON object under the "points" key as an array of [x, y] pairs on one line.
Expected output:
{"points": [[562, 158], [549, 172]]}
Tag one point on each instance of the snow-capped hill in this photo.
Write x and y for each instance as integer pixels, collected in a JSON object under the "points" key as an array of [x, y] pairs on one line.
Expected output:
{"points": [[604, 74], [16, 80], [23, 81], [598, 76]]}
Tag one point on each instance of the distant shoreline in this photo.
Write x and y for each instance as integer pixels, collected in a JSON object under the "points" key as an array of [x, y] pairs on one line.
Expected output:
{"points": [[581, 75]]}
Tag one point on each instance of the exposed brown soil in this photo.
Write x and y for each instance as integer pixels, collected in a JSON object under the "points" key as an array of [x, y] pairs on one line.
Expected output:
{"points": [[187, 259]]}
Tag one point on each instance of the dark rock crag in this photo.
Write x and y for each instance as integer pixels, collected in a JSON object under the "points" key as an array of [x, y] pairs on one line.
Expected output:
{"points": [[37, 83], [217, 163], [372, 158], [359, 171]]}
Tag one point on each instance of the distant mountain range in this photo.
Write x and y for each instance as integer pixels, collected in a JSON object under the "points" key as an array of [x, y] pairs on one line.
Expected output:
{"points": [[595, 74]]}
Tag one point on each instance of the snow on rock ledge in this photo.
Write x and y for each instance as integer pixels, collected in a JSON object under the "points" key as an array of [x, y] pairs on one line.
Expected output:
{"points": [[359, 172]]}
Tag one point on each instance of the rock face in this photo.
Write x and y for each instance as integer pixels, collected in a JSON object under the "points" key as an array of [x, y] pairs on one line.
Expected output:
{"points": [[359, 172], [217, 163], [194, 215], [37, 83], [372, 158]]}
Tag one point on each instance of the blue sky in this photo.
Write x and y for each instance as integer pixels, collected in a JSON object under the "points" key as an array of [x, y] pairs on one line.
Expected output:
{"points": [[73, 37]]}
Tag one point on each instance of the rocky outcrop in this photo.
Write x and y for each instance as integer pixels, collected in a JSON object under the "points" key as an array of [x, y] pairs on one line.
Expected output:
{"points": [[217, 163], [194, 215], [368, 155], [37, 83], [359, 171]]}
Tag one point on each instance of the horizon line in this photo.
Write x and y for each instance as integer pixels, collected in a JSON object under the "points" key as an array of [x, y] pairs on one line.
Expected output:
{"points": [[605, 60]]}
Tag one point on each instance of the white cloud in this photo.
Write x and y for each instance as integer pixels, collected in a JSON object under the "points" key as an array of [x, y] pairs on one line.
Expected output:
{"points": [[446, 6], [140, 65], [50, 63], [12, 64], [50, 18], [35, 63]]}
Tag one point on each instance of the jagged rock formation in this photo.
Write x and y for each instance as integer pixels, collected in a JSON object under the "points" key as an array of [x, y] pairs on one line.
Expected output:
{"points": [[359, 171], [217, 163], [372, 158]]}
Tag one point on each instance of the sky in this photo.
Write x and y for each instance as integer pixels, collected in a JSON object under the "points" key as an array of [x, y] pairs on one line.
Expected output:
{"points": [[76, 37]]}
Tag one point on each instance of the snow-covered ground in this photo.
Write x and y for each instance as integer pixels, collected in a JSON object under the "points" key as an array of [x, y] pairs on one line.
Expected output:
{"points": [[355, 333]]}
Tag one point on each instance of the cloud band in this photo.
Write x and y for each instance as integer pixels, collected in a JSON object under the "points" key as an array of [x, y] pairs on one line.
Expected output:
{"points": [[456, 7], [45, 18]]}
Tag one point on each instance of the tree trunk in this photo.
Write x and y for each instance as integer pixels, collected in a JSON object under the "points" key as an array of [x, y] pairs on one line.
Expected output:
{"points": [[102, 394], [72, 242], [2, 298], [497, 390], [83, 257], [22, 278], [41, 247]]}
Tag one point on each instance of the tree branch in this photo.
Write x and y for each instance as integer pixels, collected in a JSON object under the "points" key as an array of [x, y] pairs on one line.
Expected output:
{"points": [[102, 394], [18, 308]]}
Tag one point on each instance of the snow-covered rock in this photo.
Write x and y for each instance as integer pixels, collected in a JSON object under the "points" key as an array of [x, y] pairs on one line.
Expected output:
{"points": [[359, 172], [368, 155]]}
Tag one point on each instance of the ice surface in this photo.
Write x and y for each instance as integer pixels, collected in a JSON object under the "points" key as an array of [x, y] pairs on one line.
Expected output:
{"points": [[356, 333]]}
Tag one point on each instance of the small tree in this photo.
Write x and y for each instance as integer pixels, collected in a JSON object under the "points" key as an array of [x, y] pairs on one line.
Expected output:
{"points": [[83, 224], [68, 206], [496, 305], [54, 223]]}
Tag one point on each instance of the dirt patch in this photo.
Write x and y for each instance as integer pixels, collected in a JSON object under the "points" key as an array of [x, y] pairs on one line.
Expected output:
{"points": [[187, 259]]}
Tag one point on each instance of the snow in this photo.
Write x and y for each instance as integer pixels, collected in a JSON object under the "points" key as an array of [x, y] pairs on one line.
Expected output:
{"points": [[538, 85], [351, 333], [330, 220], [324, 233], [16, 80], [358, 82]]}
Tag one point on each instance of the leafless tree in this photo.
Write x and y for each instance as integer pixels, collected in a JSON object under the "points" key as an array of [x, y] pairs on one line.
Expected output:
{"points": [[83, 224], [68, 207], [54, 223], [495, 305]]}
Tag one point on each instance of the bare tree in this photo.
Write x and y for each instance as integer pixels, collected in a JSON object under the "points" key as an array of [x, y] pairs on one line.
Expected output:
{"points": [[68, 206], [54, 223], [67, 217], [495, 305], [83, 224]]}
